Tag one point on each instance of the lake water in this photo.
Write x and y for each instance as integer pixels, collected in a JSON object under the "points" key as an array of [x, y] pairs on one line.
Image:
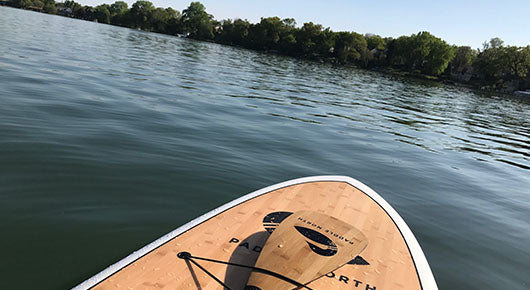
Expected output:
{"points": [[111, 137]]}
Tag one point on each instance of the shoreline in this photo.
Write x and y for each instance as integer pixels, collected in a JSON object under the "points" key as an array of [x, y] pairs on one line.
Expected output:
{"points": [[379, 59]]}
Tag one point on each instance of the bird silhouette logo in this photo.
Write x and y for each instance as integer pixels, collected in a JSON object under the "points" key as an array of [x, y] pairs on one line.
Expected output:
{"points": [[327, 247]]}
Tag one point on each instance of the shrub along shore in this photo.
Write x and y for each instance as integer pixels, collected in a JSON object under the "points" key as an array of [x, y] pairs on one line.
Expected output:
{"points": [[495, 67]]}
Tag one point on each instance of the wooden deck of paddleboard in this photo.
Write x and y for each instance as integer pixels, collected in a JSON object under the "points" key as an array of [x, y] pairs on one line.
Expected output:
{"points": [[237, 235]]}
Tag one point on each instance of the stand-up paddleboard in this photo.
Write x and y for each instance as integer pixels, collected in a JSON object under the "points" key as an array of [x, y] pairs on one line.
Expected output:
{"points": [[325, 232]]}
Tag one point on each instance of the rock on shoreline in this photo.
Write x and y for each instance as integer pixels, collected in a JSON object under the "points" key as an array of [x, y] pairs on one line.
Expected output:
{"points": [[522, 93]]}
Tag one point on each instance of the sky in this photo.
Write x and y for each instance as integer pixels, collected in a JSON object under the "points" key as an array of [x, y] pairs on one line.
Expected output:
{"points": [[459, 22]]}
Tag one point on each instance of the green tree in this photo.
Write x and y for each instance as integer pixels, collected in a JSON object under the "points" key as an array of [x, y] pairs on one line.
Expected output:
{"points": [[102, 13], [225, 34], [174, 25], [118, 8], [140, 15], [350, 47], [375, 42], [78, 11], [273, 33], [118, 11], [343, 47], [360, 46], [463, 60], [493, 43], [24, 4], [38, 4], [499, 63], [287, 43], [439, 56], [400, 53], [375, 55], [90, 13], [197, 22], [81, 12], [234, 32], [490, 63], [517, 61], [240, 31], [74, 6], [422, 52], [265, 35], [49, 7], [325, 42], [307, 37], [159, 20]]}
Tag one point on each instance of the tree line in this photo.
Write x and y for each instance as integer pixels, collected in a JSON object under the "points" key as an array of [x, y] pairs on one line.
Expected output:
{"points": [[494, 67]]}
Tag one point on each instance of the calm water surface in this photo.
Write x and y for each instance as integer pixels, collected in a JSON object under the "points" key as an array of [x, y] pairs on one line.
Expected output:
{"points": [[111, 137]]}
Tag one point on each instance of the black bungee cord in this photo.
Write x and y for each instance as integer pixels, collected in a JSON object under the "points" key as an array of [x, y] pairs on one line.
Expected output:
{"points": [[188, 257]]}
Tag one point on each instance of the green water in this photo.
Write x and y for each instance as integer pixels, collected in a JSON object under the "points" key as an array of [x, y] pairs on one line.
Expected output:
{"points": [[111, 137]]}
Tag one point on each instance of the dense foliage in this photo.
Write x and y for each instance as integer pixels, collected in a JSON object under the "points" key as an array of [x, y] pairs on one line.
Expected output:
{"points": [[494, 67]]}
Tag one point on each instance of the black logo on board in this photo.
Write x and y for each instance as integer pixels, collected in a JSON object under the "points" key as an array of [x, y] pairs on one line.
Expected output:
{"points": [[272, 220], [316, 237]]}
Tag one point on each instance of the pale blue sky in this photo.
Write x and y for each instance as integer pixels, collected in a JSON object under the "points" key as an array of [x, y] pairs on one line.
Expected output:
{"points": [[461, 22]]}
